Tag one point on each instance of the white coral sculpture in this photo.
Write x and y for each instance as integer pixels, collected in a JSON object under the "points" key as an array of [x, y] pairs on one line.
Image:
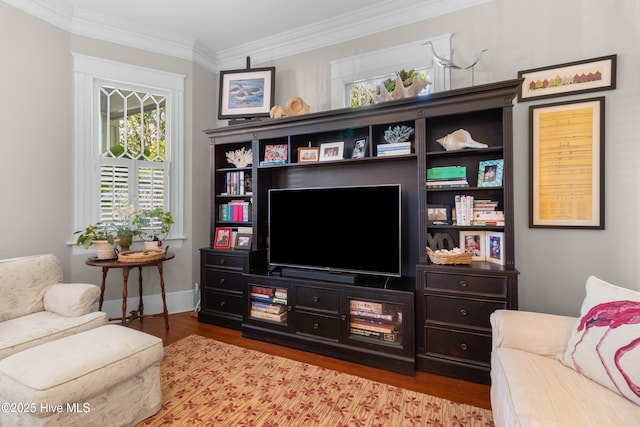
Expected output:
{"points": [[240, 158], [398, 134]]}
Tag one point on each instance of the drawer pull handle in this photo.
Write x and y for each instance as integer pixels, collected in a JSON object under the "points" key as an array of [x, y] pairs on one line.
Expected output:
{"points": [[316, 298], [463, 283], [222, 303], [343, 317], [222, 280], [463, 346], [316, 326], [463, 312], [223, 261]]}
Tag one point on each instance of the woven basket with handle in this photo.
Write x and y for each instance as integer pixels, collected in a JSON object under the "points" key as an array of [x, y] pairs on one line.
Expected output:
{"points": [[449, 258]]}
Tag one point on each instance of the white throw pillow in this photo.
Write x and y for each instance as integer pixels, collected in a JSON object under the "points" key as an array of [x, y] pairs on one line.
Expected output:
{"points": [[605, 343]]}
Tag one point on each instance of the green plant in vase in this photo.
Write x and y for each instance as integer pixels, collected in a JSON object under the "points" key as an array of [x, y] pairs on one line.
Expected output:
{"points": [[153, 225], [126, 229], [103, 236]]}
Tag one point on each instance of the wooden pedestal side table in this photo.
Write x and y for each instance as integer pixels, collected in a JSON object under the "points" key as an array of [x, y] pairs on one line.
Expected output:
{"points": [[126, 267]]}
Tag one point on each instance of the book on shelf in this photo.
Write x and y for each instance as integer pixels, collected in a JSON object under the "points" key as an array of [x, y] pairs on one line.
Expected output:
{"points": [[371, 326], [368, 306], [393, 149], [486, 213], [235, 210], [389, 337], [447, 177], [268, 307], [368, 314], [280, 318], [237, 183], [464, 209]]}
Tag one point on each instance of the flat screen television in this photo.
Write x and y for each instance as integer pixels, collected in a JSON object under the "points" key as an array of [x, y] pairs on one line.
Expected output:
{"points": [[351, 229]]}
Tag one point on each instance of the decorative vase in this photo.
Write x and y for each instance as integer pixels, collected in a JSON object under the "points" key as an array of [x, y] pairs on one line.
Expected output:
{"points": [[104, 249], [400, 91], [126, 239]]}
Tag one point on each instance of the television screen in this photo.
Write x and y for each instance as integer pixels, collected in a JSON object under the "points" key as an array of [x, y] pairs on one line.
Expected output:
{"points": [[337, 229]]}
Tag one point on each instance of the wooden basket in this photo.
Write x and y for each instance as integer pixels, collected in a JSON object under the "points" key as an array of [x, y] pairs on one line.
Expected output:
{"points": [[141, 256], [450, 258]]}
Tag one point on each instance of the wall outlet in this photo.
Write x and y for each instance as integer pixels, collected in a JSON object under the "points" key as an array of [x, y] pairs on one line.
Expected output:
{"points": [[196, 287]]}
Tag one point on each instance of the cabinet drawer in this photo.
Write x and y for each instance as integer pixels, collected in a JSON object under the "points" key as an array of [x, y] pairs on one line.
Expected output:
{"points": [[480, 285], [220, 279], [225, 303], [318, 298], [318, 325], [461, 311], [460, 345], [219, 260]]}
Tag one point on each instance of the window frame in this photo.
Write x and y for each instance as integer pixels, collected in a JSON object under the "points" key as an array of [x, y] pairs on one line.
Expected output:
{"points": [[89, 74]]}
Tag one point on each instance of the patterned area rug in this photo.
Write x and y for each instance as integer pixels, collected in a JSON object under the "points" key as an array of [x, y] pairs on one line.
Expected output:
{"points": [[209, 383]]}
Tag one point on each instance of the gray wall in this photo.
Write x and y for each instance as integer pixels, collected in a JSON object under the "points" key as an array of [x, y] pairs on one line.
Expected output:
{"points": [[36, 143]]}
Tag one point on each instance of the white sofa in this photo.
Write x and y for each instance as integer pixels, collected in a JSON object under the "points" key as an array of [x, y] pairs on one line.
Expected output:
{"points": [[36, 307], [536, 381]]}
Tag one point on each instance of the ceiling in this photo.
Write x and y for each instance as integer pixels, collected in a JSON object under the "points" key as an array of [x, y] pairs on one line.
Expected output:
{"points": [[217, 33]]}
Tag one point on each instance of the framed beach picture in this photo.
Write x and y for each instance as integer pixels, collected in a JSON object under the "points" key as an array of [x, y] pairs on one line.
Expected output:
{"points": [[475, 242], [246, 93]]}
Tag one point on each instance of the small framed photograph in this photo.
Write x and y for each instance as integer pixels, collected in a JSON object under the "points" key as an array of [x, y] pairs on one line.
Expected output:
{"points": [[474, 241], [246, 93], [243, 241], [222, 238], [331, 151], [308, 154], [276, 154], [495, 247], [490, 173], [439, 215], [359, 148]]}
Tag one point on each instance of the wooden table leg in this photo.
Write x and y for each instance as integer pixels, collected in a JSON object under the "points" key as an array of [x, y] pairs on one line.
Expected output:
{"points": [[105, 270], [140, 304], [125, 279], [165, 312]]}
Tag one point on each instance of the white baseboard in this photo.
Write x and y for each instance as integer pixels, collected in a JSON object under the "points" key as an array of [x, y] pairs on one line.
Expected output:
{"points": [[177, 302]]}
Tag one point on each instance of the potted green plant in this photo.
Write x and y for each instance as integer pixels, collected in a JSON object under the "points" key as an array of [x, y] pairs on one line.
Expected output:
{"points": [[126, 230], [101, 235], [153, 226]]}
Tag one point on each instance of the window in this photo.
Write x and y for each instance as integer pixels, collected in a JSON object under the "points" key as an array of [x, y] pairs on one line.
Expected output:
{"points": [[366, 70], [128, 141]]}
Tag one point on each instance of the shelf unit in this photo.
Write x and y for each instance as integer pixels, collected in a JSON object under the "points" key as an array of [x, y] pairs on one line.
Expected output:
{"points": [[452, 345]]}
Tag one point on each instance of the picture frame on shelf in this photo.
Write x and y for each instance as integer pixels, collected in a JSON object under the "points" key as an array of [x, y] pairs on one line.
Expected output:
{"points": [[331, 151], [490, 173], [275, 154], [439, 215], [222, 238], [589, 75], [308, 154], [474, 241], [359, 148], [567, 188], [495, 247], [246, 93], [243, 241]]}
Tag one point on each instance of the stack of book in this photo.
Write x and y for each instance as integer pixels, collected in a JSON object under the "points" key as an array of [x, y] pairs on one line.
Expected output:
{"points": [[485, 212], [394, 149], [447, 177], [368, 319], [235, 210], [268, 303]]}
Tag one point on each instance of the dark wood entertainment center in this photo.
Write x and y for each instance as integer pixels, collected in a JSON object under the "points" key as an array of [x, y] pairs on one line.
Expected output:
{"points": [[435, 317]]}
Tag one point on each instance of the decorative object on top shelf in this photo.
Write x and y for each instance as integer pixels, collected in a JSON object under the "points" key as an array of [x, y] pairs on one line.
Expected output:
{"points": [[240, 158], [153, 225], [246, 93], [405, 85], [454, 256], [490, 173], [448, 63], [295, 106], [458, 140]]}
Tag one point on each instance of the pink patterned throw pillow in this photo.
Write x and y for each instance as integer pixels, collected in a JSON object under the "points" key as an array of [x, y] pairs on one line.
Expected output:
{"points": [[605, 343]]}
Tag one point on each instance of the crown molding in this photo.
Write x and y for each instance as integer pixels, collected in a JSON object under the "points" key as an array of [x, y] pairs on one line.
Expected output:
{"points": [[321, 34]]}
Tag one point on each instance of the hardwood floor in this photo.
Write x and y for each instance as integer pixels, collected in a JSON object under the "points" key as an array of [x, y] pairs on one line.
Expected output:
{"points": [[184, 324]]}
